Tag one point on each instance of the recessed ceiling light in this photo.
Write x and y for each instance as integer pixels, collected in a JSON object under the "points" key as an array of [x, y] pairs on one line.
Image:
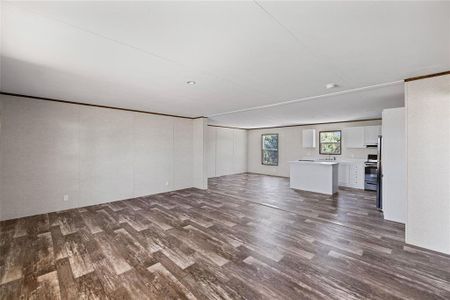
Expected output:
{"points": [[331, 86], [191, 82]]}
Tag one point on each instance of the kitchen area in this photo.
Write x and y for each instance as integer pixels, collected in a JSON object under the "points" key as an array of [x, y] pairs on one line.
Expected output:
{"points": [[325, 172], [356, 173], [325, 157]]}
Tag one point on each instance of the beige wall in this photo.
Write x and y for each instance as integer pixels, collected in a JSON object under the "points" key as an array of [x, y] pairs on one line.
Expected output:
{"points": [[290, 147], [93, 155], [227, 151], [428, 163]]}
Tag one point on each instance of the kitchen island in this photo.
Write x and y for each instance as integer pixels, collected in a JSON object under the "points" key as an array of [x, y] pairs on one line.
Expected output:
{"points": [[314, 176]]}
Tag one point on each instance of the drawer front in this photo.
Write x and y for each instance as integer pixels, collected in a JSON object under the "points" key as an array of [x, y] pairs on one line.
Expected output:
{"points": [[370, 186]]}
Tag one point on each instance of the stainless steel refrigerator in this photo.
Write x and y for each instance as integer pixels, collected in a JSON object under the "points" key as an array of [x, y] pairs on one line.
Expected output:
{"points": [[379, 175]]}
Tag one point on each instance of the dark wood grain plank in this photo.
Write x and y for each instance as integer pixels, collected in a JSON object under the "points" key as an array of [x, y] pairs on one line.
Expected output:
{"points": [[247, 237]]}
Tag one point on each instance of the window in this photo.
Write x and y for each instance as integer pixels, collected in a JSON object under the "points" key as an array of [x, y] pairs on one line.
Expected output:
{"points": [[269, 149], [330, 142]]}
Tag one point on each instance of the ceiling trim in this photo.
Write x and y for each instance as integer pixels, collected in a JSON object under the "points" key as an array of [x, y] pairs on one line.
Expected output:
{"points": [[99, 106], [229, 127], [375, 86], [427, 76], [310, 124]]}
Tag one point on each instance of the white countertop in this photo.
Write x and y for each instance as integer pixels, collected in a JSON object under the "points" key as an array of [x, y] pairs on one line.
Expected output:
{"points": [[338, 159], [319, 162]]}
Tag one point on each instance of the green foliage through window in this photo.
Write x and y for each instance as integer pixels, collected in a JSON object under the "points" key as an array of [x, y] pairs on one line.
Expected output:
{"points": [[269, 149], [330, 142]]}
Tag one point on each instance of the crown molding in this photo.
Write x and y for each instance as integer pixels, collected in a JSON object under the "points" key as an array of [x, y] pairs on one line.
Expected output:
{"points": [[99, 106], [427, 76]]}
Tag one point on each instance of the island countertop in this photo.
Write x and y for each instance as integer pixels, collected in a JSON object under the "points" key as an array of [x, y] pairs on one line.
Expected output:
{"points": [[314, 162], [314, 176]]}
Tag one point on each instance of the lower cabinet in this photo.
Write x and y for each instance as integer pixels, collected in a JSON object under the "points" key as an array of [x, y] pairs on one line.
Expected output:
{"points": [[344, 174], [351, 174]]}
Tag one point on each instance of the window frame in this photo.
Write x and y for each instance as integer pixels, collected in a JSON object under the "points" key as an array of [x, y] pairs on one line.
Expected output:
{"points": [[340, 142], [262, 149]]}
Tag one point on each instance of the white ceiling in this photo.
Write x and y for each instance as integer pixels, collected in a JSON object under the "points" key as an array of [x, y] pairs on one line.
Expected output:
{"points": [[355, 105], [251, 56]]}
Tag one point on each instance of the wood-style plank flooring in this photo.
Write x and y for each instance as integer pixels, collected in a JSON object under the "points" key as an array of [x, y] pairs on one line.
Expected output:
{"points": [[248, 236]]}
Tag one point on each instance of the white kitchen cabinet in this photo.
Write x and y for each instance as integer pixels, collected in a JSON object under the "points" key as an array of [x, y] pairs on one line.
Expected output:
{"points": [[309, 138], [357, 175], [360, 137], [344, 174], [353, 137], [371, 134], [351, 174]]}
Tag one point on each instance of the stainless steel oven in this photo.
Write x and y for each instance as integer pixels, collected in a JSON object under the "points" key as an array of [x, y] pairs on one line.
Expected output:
{"points": [[370, 177], [373, 176]]}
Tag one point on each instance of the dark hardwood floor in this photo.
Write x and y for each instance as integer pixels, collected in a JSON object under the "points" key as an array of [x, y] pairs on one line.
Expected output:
{"points": [[248, 236]]}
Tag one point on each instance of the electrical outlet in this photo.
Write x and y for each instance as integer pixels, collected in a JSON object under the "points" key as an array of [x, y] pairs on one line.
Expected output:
{"points": [[167, 183], [66, 197]]}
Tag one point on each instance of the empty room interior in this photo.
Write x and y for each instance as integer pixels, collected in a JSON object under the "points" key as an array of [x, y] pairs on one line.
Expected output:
{"points": [[225, 150]]}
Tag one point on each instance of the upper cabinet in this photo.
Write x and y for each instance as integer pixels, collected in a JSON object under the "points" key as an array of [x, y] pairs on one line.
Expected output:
{"points": [[371, 134], [353, 137], [360, 137], [309, 138]]}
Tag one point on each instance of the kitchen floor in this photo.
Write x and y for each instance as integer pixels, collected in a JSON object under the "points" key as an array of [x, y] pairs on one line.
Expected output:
{"points": [[247, 236]]}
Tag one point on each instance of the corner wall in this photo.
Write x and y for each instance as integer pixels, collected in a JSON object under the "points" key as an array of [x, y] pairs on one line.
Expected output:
{"points": [[227, 151], [92, 155], [394, 164], [428, 163], [199, 155]]}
